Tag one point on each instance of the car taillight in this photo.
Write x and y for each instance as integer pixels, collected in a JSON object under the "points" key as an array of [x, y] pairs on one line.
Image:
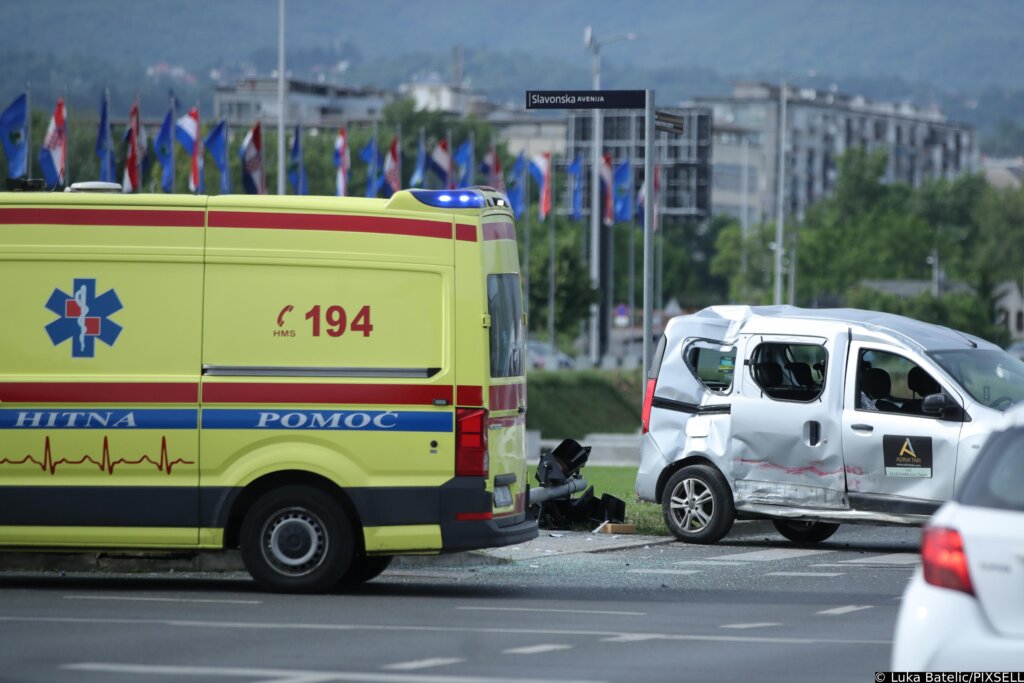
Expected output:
{"points": [[471, 459], [944, 561], [645, 414]]}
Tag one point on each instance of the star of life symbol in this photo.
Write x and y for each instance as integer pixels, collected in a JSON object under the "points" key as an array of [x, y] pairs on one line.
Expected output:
{"points": [[84, 317]]}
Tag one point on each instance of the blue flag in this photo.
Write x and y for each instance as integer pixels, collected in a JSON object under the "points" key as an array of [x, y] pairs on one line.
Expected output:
{"points": [[623, 192], [517, 186], [464, 158], [421, 165], [164, 152], [374, 177], [216, 143], [576, 185], [13, 129], [297, 165], [105, 146]]}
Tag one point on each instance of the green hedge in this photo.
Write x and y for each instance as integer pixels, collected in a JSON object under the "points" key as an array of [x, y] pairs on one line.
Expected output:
{"points": [[571, 404]]}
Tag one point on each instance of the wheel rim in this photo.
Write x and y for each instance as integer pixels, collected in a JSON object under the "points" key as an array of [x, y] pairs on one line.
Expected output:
{"points": [[692, 506], [294, 541]]}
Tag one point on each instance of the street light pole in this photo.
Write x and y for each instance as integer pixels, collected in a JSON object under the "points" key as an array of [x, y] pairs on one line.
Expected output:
{"points": [[780, 210], [592, 44], [280, 97]]}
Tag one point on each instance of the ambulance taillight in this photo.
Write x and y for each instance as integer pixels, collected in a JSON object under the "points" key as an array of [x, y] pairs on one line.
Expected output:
{"points": [[471, 458]]}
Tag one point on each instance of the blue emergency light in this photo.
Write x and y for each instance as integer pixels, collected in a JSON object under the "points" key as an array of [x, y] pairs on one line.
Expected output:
{"points": [[451, 199]]}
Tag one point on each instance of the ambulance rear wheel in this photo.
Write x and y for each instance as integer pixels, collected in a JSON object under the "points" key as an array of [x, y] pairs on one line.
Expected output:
{"points": [[296, 539], [697, 505], [804, 532], [364, 569]]}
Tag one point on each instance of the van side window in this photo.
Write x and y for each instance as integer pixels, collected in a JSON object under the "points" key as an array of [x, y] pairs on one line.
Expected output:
{"points": [[890, 383], [505, 306], [712, 364], [789, 372]]}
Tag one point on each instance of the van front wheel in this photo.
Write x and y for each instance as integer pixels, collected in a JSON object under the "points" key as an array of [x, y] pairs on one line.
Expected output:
{"points": [[697, 505], [296, 539], [804, 532]]}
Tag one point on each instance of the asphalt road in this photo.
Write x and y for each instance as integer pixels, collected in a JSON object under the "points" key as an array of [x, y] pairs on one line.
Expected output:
{"points": [[752, 608]]}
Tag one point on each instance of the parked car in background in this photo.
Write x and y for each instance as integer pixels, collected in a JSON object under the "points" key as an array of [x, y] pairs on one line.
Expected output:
{"points": [[542, 356], [964, 608]]}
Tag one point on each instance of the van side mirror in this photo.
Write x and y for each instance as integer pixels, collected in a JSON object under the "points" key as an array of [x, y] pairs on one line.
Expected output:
{"points": [[943, 406]]}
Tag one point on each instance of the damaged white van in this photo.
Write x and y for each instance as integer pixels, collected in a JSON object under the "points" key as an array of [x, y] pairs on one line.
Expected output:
{"points": [[814, 418]]}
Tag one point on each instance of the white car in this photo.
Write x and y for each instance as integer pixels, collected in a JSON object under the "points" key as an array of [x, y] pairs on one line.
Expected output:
{"points": [[964, 609]]}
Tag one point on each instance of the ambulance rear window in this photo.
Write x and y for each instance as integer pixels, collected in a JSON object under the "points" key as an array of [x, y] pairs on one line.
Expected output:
{"points": [[505, 306]]}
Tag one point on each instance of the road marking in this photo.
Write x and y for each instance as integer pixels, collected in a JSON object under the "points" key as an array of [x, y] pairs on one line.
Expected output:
{"points": [[423, 663], [560, 611], [536, 649], [825, 575], [677, 572], [129, 598], [295, 676], [902, 559], [844, 610], [713, 563], [836, 565], [402, 628], [772, 555], [760, 624], [631, 638]]}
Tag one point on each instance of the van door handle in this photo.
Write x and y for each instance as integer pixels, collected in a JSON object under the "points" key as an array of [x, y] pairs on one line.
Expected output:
{"points": [[862, 428]]}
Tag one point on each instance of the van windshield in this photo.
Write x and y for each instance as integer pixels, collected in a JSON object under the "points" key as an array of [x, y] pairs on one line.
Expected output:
{"points": [[991, 376], [505, 305]]}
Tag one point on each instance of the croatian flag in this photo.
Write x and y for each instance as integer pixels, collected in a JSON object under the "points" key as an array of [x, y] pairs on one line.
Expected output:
{"points": [[540, 167], [251, 152], [53, 155], [187, 134], [342, 161], [492, 169], [640, 213], [391, 165], [131, 182], [440, 162], [607, 186]]}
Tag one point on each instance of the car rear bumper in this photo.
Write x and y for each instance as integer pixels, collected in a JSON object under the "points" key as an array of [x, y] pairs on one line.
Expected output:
{"points": [[472, 535]]}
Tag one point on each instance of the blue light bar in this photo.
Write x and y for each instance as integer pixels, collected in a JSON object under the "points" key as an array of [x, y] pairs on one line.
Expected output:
{"points": [[451, 199]]}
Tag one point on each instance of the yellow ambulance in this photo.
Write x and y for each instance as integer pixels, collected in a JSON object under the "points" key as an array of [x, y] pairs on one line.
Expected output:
{"points": [[320, 382]]}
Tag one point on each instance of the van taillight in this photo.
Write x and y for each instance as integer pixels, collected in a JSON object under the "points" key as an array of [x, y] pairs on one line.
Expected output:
{"points": [[645, 414], [471, 459], [944, 561]]}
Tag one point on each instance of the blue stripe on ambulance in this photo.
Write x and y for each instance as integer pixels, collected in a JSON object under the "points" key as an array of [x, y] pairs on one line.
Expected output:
{"points": [[329, 420], [92, 418]]}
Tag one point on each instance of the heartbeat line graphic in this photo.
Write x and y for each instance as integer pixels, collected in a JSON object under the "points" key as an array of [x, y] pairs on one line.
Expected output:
{"points": [[104, 464]]}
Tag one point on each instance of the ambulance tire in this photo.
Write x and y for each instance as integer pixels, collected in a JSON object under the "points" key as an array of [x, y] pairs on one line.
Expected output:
{"points": [[296, 539], [804, 532], [697, 505], [365, 569]]}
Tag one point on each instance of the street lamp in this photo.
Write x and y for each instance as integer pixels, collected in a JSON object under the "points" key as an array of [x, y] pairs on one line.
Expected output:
{"points": [[594, 45], [780, 204]]}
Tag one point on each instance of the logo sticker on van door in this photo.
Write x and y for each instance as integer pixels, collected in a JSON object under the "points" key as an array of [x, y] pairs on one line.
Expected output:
{"points": [[907, 456], [84, 317]]}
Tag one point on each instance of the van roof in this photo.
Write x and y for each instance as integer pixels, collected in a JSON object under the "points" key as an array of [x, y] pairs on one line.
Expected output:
{"points": [[727, 322]]}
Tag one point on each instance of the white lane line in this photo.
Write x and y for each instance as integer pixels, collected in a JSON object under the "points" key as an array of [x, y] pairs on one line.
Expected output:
{"points": [[401, 628], [823, 575], [713, 563], [130, 598], [759, 624], [631, 638], [676, 572], [423, 663], [902, 559], [845, 609], [536, 649], [296, 676], [771, 555], [560, 611]]}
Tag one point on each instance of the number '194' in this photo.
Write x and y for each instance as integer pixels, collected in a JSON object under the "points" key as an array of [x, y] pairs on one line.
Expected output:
{"points": [[335, 319]]}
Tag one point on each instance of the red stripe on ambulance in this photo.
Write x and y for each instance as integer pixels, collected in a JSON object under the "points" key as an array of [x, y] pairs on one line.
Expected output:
{"points": [[379, 225], [499, 231], [361, 394], [99, 392], [507, 396], [152, 218]]}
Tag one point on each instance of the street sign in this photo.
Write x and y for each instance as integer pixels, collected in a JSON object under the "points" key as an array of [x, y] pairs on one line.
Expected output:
{"points": [[586, 99], [668, 123]]}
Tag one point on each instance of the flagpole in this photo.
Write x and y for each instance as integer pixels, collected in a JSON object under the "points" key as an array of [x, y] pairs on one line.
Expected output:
{"points": [[28, 131], [280, 97], [526, 251], [138, 141], [551, 262], [472, 158], [632, 234], [174, 148], [451, 161], [105, 161], [375, 152], [398, 146], [67, 140]]}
